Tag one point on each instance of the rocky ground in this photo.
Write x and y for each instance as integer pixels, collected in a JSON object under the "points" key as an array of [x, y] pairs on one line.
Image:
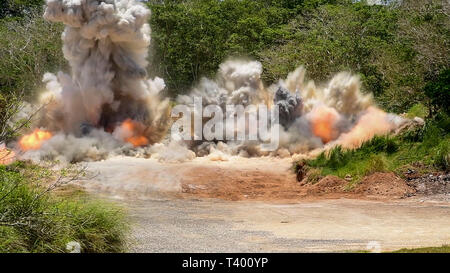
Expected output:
{"points": [[430, 184]]}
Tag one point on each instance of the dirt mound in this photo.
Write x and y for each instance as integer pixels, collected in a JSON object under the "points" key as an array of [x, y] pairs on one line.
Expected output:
{"points": [[384, 185], [328, 184]]}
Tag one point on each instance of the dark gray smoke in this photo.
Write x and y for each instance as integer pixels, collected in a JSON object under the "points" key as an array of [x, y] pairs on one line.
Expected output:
{"points": [[290, 106]]}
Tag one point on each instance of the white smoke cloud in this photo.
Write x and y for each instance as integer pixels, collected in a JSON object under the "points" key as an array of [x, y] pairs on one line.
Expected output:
{"points": [[172, 152]]}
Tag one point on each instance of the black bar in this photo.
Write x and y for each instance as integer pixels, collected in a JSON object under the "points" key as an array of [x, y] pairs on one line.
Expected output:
{"points": [[225, 262]]}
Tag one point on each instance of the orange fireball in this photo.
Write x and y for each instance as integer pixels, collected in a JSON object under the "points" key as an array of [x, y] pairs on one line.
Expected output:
{"points": [[323, 120], [34, 140], [138, 141], [133, 132]]}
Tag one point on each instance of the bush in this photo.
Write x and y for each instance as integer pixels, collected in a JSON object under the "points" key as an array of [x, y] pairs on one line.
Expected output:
{"points": [[438, 92], [426, 148], [11, 241], [29, 47], [338, 157], [36, 221], [18, 8]]}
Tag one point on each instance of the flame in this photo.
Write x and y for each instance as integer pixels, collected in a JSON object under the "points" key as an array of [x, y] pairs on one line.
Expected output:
{"points": [[132, 131], [34, 140], [138, 141], [322, 120]]}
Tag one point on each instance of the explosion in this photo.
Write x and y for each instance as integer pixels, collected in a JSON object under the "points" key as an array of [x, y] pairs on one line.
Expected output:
{"points": [[106, 44], [107, 102], [323, 120], [132, 132], [312, 117], [34, 140]]}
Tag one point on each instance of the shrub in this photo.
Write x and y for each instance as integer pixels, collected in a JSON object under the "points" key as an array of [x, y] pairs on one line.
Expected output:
{"points": [[438, 92], [18, 8], [338, 157], [432, 135], [378, 144], [37, 221]]}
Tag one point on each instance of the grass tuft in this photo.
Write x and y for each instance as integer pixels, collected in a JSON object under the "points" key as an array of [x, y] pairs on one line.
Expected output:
{"points": [[442, 157], [377, 163]]}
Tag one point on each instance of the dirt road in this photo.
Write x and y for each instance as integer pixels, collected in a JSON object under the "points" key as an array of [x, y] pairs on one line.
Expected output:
{"points": [[170, 214]]}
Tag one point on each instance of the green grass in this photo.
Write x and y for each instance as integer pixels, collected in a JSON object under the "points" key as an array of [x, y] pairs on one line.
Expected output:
{"points": [[428, 147], [33, 221], [371, 157], [417, 110], [439, 249]]}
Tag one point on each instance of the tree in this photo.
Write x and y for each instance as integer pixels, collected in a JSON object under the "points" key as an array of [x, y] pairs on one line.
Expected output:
{"points": [[438, 92], [18, 8], [191, 38]]}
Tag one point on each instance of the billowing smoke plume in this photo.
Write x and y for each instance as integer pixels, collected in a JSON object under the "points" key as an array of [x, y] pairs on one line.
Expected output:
{"points": [[107, 105], [106, 44], [237, 82], [310, 116]]}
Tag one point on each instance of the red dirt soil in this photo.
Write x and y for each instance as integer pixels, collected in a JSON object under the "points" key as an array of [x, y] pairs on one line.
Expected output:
{"points": [[384, 185], [327, 185], [230, 184], [273, 185]]}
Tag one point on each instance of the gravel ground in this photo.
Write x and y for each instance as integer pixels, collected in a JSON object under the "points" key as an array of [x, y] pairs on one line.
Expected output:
{"points": [[167, 225], [164, 220]]}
